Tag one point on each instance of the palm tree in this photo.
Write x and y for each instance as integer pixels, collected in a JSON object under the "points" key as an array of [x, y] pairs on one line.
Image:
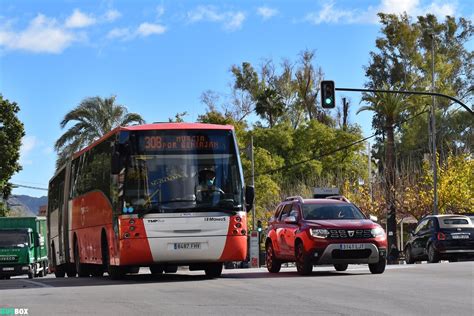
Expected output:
{"points": [[94, 118], [388, 107]]}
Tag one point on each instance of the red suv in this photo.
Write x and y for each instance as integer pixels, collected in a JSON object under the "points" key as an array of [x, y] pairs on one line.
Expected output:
{"points": [[323, 231]]}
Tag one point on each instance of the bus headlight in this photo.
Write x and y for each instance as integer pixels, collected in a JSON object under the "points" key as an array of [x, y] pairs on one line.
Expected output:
{"points": [[319, 233]]}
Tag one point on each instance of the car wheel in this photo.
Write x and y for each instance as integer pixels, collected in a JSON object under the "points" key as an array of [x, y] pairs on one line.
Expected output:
{"points": [[433, 255], [408, 256], [303, 262], [341, 266], [272, 263], [213, 270], [379, 267]]}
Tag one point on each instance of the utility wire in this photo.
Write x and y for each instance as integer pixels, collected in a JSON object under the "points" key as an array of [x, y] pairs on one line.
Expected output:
{"points": [[333, 151], [29, 187]]}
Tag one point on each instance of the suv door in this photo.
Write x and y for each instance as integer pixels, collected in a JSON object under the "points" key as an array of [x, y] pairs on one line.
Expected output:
{"points": [[281, 232], [291, 230]]}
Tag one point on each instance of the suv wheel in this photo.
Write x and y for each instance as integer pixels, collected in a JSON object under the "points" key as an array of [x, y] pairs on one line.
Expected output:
{"points": [[379, 267], [303, 262], [433, 255], [408, 256], [273, 264], [341, 266]]}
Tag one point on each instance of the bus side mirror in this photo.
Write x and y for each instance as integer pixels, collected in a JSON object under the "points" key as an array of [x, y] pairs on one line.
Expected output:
{"points": [[249, 197]]}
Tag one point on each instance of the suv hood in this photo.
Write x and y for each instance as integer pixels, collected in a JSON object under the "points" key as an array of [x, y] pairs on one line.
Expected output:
{"points": [[343, 223]]}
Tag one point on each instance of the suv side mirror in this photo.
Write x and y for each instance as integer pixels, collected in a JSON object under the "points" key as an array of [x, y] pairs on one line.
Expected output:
{"points": [[290, 220], [249, 197], [373, 218]]}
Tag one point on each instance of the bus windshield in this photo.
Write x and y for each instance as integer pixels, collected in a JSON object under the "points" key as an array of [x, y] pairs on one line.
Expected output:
{"points": [[182, 170], [9, 239]]}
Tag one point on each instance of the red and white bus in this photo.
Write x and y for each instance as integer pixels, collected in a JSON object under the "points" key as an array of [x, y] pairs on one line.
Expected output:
{"points": [[135, 198]]}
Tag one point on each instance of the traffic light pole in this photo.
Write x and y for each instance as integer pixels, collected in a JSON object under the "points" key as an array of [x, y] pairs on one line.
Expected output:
{"points": [[409, 92]]}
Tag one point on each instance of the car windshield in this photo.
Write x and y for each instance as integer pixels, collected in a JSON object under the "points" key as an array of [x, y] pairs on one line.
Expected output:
{"points": [[175, 171], [331, 211], [13, 239]]}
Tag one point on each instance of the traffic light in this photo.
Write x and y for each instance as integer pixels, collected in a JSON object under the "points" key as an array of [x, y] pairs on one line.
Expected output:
{"points": [[259, 226], [328, 94]]}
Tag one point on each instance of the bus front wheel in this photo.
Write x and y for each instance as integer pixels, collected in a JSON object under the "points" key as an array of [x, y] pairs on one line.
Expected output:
{"points": [[213, 270]]}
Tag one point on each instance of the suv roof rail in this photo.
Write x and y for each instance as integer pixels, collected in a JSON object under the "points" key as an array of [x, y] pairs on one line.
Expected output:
{"points": [[294, 198], [339, 197]]}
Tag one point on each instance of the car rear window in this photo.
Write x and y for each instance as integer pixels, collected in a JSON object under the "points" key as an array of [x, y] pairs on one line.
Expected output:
{"points": [[456, 221], [453, 222], [331, 211]]}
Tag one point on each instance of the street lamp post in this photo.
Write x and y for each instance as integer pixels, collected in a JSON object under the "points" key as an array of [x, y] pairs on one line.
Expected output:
{"points": [[433, 131]]}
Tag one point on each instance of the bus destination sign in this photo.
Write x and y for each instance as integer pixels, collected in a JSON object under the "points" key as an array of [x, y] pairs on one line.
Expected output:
{"points": [[197, 142]]}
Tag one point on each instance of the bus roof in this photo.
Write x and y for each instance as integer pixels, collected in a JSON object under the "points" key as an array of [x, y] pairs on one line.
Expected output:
{"points": [[155, 126]]}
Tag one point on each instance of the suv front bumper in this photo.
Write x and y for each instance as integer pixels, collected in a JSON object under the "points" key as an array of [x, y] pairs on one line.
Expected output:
{"points": [[334, 253]]}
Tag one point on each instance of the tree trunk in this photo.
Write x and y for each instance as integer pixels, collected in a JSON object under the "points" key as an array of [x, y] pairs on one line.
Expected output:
{"points": [[392, 250]]}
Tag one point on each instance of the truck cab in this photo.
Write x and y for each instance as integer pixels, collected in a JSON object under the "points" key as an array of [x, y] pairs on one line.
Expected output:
{"points": [[22, 247]]}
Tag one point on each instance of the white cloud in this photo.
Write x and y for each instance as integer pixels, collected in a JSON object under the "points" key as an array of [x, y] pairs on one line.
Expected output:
{"points": [[28, 143], [160, 10], [231, 20], [329, 13], [79, 20], [122, 33], [43, 35], [147, 29], [112, 15], [266, 12]]}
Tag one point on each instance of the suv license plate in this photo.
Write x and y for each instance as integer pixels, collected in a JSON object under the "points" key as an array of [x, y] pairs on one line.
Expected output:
{"points": [[187, 245], [351, 246], [463, 236]]}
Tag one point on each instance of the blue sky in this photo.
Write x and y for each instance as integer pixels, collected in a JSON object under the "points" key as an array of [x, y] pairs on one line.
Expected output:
{"points": [[158, 57]]}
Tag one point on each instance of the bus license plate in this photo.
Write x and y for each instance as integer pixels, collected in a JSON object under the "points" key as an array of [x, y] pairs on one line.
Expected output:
{"points": [[351, 246], [187, 245]]}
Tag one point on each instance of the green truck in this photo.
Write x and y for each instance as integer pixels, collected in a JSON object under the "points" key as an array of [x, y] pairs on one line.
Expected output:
{"points": [[23, 248]]}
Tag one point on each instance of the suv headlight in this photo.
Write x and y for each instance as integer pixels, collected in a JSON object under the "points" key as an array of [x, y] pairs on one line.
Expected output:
{"points": [[376, 232], [319, 233]]}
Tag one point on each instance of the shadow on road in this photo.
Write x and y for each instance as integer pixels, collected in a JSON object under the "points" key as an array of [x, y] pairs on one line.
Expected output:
{"points": [[181, 276]]}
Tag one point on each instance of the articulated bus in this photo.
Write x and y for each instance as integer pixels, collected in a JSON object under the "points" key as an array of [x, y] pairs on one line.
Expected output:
{"points": [[135, 198]]}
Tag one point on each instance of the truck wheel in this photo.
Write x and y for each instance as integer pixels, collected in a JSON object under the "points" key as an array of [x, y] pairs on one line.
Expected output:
{"points": [[45, 268], [32, 273]]}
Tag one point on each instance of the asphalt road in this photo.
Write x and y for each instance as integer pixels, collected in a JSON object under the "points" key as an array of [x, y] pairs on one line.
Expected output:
{"points": [[420, 289]]}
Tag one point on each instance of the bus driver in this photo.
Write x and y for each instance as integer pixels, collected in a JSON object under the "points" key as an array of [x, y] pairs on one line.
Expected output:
{"points": [[207, 191]]}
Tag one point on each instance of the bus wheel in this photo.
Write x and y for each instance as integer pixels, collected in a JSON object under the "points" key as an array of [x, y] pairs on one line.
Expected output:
{"points": [[59, 271], [115, 272], [213, 270], [156, 269], [81, 268]]}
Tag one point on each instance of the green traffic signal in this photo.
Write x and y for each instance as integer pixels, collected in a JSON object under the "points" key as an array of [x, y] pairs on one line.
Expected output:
{"points": [[328, 94]]}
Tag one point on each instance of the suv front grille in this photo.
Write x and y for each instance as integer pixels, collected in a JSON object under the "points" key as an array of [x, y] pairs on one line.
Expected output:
{"points": [[350, 233]]}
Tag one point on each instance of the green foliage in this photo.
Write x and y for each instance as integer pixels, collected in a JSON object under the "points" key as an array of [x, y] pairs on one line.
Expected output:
{"points": [[11, 133], [3, 210], [93, 117]]}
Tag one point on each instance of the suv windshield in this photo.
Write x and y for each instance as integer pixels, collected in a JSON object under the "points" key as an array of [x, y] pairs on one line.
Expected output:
{"points": [[170, 171], [331, 211], [13, 239]]}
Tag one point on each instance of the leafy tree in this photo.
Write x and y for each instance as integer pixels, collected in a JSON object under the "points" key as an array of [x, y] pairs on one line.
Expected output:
{"points": [[94, 118], [11, 133]]}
